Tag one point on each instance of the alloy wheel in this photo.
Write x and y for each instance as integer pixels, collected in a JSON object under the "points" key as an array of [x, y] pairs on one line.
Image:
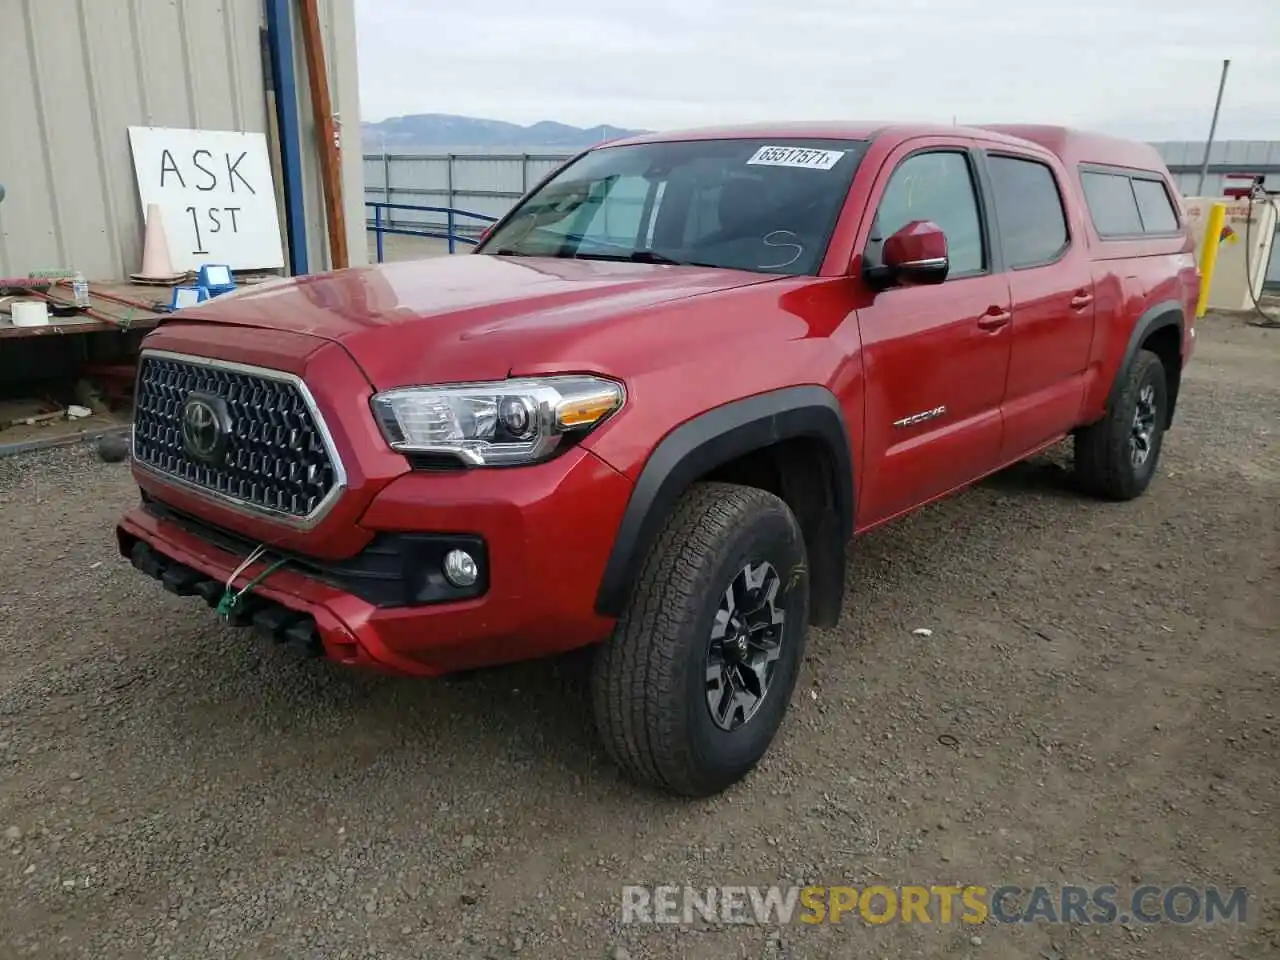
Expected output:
{"points": [[1142, 433], [746, 641]]}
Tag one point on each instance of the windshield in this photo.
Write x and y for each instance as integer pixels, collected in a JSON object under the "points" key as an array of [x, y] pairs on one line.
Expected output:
{"points": [[762, 205]]}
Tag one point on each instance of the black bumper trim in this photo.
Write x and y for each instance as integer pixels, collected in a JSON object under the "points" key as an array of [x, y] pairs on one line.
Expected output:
{"points": [[295, 630], [394, 570]]}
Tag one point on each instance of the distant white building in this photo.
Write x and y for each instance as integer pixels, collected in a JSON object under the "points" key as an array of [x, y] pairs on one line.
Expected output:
{"points": [[1185, 157]]}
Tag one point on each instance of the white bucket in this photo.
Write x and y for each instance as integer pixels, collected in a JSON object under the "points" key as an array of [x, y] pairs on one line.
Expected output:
{"points": [[29, 313]]}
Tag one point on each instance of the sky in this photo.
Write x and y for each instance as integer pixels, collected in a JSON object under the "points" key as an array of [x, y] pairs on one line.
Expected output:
{"points": [[1142, 68]]}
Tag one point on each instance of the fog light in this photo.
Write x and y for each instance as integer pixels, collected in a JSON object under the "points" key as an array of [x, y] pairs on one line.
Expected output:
{"points": [[460, 568]]}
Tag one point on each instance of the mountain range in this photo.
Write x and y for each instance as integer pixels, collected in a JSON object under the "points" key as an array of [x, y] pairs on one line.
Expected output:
{"points": [[440, 131], [425, 130]]}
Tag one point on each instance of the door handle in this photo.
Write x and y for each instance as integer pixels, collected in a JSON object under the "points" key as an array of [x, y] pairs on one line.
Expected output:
{"points": [[994, 318], [1081, 300]]}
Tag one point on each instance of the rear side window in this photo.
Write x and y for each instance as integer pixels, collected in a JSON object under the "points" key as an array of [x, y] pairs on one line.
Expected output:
{"points": [[1112, 205], [1154, 205], [1033, 224]]}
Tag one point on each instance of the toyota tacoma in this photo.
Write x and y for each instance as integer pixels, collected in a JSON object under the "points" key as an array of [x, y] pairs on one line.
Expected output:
{"points": [[655, 403]]}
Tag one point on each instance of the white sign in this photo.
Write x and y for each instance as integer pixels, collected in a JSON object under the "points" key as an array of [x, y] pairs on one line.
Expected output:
{"points": [[796, 157], [215, 192]]}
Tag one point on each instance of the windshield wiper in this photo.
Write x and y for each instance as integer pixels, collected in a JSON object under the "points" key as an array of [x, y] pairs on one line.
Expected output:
{"points": [[635, 256], [648, 256], [632, 256]]}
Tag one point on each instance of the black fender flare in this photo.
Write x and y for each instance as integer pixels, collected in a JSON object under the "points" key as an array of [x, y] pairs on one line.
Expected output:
{"points": [[715, 438], [1166, 313]]}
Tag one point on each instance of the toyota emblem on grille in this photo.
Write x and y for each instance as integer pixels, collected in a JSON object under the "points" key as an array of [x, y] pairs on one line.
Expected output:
{"points": [[205, 427]]}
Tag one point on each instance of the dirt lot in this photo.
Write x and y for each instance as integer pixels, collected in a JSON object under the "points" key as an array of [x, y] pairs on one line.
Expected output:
{"points": [[1097, 703]]}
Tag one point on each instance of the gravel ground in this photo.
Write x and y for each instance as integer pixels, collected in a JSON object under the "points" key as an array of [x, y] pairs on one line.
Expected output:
{"points": [[1097, 703]]}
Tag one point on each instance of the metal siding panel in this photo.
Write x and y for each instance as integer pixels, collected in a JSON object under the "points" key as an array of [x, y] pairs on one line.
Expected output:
{"points": [[164, 70], [119, 101], [1232, 151], [540, 167], [421, 179], [488, 174], [492, 206], [415, 218], [243, 29], [77, 74], [1190, 152], [420, 173], [28, 220], [1255, 152], [68, 105]]}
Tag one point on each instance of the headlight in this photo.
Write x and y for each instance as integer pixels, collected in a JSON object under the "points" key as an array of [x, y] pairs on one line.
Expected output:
{"points": [[508, 422]]}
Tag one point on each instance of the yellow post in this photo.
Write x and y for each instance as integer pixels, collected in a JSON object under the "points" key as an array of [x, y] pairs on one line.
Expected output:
{"points": [[1209, 254]]}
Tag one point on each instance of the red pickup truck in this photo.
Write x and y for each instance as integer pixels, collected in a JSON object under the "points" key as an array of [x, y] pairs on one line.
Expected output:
{"points": [[654, 405]]}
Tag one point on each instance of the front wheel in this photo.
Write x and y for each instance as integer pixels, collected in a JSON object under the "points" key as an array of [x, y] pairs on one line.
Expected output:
{"points": [[1117, 456], [692, 686]]}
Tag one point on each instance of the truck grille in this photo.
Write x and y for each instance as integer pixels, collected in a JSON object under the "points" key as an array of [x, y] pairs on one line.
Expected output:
{"points": [[244, 434]]}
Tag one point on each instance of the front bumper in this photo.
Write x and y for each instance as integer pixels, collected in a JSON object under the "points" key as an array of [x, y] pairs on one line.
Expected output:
{"points": [[547, 530]]}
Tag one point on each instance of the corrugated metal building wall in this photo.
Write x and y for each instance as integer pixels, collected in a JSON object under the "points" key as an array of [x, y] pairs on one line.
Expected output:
{"points": [[78, 73], [1184, 158], [480, 182]]}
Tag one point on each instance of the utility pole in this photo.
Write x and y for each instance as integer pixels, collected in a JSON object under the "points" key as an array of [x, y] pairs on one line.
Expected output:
{"points": [[1213, 126]]}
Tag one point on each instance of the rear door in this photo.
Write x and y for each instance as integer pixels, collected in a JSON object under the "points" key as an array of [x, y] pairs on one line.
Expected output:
{"points": [[936, 357], [1051, 284]]}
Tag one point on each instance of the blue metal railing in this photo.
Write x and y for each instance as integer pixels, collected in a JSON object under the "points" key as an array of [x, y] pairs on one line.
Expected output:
{"points": [[381, 227]]}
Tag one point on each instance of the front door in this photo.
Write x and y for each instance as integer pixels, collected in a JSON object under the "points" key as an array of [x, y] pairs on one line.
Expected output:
{"points": [[935, 357]]}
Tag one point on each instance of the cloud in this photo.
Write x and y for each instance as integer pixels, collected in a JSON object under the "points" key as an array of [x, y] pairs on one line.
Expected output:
{"points": [[1107, 64]]}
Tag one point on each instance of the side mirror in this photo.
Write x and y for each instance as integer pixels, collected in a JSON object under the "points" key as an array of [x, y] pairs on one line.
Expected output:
{"points": [[916, 254]]}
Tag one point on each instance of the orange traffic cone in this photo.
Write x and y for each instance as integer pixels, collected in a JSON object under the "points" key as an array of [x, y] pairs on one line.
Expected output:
{"points": [[157, 268]]}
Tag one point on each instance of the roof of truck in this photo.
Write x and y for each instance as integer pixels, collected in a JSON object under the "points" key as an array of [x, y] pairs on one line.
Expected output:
{"points": [[1070, 145], [1081, 146]]}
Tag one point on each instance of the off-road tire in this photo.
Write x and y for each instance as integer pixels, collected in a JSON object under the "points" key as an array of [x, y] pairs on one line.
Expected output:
{"points": [[649, 683], [1103, 466]]}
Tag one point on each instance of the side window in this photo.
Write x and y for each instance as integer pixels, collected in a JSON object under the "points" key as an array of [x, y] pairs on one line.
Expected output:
{"points": [[938, 187], [1033, 224], [1158, 215], [1112, 205]]}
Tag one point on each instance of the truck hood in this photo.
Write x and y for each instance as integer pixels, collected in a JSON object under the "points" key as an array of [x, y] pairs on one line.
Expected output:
{"points": [[471, 317]]}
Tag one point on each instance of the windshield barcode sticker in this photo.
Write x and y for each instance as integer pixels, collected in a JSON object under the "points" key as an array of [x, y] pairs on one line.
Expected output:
{"points": [[796, 157]]}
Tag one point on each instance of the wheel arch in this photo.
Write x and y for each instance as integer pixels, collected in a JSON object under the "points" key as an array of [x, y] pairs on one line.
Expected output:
{"points": [[1160, 329], [801, 432]]}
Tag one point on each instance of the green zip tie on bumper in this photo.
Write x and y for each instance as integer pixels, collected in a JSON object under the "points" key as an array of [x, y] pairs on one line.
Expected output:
{"points": [[231, 597]]}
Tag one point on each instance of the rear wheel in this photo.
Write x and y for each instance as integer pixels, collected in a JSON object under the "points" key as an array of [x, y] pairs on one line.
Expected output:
{"points": [[692, 686], [1117, 456]]}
